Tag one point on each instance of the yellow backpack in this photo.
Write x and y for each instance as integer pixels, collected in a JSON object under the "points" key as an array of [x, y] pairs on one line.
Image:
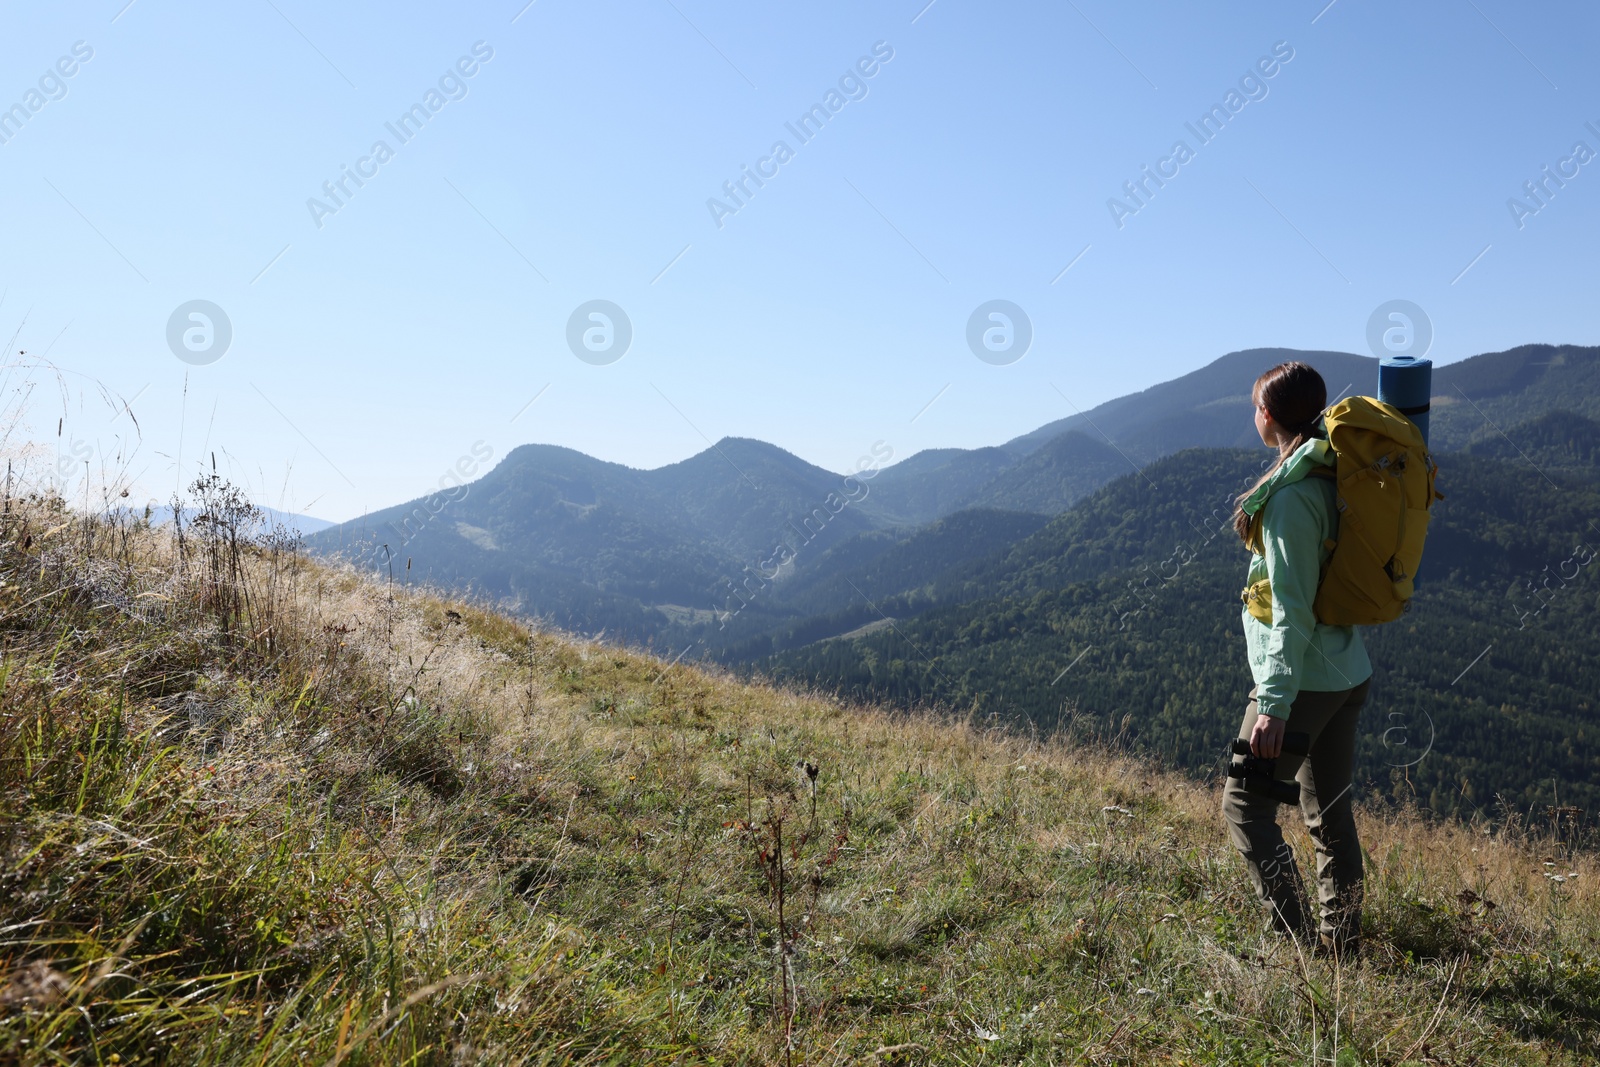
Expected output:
{"points": [[1384, 478]]}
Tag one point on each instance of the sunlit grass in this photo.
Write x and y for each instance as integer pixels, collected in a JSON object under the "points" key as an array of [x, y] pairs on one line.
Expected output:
{"points": [[313, 818]]}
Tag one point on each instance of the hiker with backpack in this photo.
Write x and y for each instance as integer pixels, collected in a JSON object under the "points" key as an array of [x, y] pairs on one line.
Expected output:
{"points": [[1335, 534]]}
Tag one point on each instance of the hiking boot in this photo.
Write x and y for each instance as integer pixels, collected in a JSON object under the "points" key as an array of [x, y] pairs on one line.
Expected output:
{"points": [[1340, 946]]}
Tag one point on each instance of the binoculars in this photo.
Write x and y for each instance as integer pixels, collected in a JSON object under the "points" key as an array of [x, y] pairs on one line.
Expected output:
{"points": [[1260, 776]]}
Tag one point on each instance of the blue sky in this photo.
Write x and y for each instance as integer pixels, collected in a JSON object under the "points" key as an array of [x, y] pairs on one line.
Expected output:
{"points": [[372, 352]]}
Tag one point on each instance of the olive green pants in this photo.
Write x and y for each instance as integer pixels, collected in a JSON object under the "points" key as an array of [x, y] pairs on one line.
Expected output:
{"points": [[1327, 805]]}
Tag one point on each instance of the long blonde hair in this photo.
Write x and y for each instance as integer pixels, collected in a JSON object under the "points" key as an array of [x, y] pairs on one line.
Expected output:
{"points": [[1294, 394]]}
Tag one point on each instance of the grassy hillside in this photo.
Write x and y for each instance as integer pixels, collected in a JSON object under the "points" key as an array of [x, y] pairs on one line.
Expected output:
{"points": [[254, 810]]}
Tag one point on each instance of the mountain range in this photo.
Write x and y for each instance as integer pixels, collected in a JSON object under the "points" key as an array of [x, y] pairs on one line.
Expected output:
{"points": [[643, 555]]}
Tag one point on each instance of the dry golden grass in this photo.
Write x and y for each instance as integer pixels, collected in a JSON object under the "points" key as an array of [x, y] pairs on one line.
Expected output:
{"points": [[366, 824]]}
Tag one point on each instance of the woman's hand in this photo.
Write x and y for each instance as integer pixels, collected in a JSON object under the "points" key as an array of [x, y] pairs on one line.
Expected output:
{"points": [[1266, 737]]}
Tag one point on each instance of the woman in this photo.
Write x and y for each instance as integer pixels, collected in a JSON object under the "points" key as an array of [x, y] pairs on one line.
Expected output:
{"points": [[1309, 678]]}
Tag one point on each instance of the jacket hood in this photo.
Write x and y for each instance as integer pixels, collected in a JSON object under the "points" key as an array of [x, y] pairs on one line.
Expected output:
{"points": [[1316, 452]]}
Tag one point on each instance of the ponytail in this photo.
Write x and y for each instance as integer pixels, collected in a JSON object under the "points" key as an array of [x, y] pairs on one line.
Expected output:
{"points": [[1294, 394]]}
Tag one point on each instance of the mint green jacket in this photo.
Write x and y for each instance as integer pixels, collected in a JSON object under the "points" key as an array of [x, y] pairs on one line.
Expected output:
{"points": [[1296, 652]]}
